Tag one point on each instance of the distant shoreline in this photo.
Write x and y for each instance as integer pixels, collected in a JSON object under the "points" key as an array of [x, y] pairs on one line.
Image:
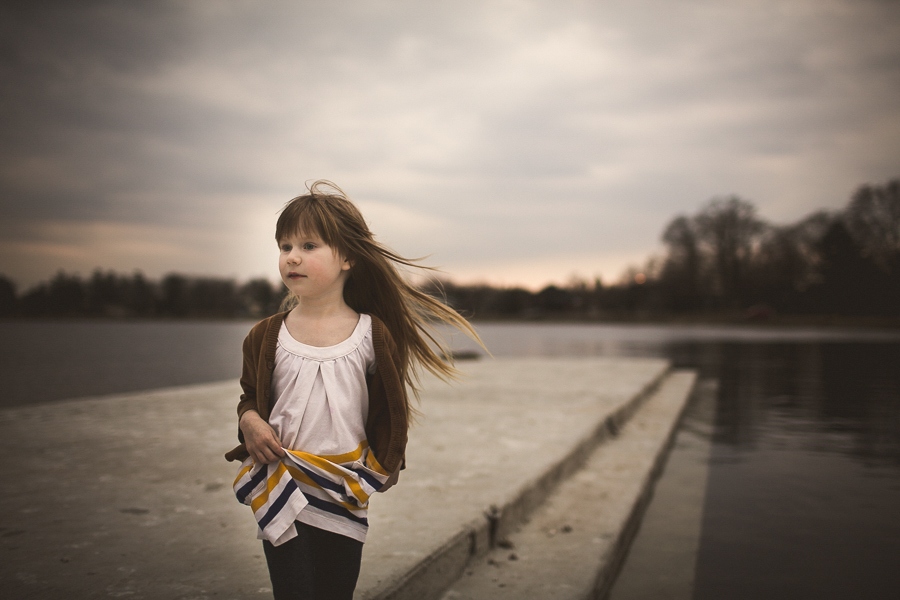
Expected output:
{"points": [[717, 319]]}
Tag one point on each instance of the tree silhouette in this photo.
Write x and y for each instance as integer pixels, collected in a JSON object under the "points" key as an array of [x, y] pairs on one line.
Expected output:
{"points": [[721, 260], [175, 301], [8, 302], [681, 271], [873, 218], [849, 280], [787, 263], [729, 229], [259, 297]]}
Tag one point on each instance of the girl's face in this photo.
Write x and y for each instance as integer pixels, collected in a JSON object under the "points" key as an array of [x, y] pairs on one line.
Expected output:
{"points": [[310, 268]]}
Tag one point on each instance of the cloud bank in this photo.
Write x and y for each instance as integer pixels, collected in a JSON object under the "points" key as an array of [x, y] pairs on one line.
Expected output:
{"points": [[514, 142]]}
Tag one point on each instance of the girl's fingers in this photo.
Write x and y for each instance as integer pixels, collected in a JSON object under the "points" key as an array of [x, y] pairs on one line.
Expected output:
{"points": [[263, 443], [274, 445], [267, 452], [265, 457]]}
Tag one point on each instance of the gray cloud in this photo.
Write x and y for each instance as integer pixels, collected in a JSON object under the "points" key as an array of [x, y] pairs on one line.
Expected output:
{"points": [[493, 135]]}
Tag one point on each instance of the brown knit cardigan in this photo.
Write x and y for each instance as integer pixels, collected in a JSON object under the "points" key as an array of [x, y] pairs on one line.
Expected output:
{"points": [[387, 423]]}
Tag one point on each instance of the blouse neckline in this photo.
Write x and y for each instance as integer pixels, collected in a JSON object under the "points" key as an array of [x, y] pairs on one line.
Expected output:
{"points": [[287, 341]]}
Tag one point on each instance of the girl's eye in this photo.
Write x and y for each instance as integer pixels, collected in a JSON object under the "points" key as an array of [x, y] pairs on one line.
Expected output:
{"points": [[285, 247], [309, 246]]}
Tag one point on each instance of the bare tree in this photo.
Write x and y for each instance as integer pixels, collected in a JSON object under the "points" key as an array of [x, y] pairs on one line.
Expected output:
{"points": [[873, 218], [788, 259], [683, 263], [729, 230]]}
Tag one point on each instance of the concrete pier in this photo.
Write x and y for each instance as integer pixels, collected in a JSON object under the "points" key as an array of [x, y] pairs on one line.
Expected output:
{"points": [[571, 546], [128, 496]]}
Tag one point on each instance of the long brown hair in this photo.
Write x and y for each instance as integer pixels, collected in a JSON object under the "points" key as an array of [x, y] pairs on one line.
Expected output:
{"points": [[374, 284]]}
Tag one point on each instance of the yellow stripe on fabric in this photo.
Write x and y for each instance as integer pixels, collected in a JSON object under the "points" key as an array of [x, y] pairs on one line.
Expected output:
{"points": [[241, 473], [373, 464], [271, 484], [352, 483], [335, 458], [324, 464], [306, 479], [349, 480]]}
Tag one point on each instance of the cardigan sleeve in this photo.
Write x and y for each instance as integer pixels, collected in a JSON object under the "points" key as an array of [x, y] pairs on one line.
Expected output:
{"points": [[251, 350], [387, 423], [399, 399], [248, 379]]}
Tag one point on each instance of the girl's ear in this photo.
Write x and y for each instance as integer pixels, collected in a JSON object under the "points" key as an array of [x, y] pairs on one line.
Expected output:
{"points": [[347, 265]]}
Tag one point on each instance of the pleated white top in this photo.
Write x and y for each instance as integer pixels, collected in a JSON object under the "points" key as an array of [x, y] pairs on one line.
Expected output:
{"points": [[321, 397], [329, 473]]}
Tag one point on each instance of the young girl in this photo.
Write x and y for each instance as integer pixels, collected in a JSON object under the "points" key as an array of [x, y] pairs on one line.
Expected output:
{"points": [[324, 415]]}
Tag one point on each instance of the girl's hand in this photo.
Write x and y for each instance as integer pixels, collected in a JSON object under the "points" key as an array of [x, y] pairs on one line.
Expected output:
{"points": [[261, 440]]}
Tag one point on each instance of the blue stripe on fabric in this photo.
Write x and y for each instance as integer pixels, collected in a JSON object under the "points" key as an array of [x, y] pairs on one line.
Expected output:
{"points": [[334, 509], [248, 487], [323, 482], [369, 478], [289, 488]]}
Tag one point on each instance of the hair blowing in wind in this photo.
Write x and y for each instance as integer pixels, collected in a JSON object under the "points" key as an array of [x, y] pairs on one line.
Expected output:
{"points": [[375, 285]]}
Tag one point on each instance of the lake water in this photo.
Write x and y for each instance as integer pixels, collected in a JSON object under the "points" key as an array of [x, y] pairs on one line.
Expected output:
{"points": [[801, 470]]}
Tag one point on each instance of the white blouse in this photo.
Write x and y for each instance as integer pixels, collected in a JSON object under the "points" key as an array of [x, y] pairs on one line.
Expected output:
{"points": [[329, 473], [321, 399]]}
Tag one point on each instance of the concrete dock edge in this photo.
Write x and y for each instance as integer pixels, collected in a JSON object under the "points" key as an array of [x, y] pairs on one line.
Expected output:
{"points": [[129, 495], [533, 494], [609, 570], [573, 545], [434, 574]]}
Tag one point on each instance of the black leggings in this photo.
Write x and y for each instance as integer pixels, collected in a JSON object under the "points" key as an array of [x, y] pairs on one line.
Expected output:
{"points": [[315, 565]]}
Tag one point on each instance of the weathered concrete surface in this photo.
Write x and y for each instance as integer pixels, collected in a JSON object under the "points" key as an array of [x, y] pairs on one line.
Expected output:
{"points": [[571, 546], [501, 438], [662, 560], [128, 496]]}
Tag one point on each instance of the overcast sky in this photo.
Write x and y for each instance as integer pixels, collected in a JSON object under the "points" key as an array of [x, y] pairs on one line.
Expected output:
{"points": [[515, 142]]}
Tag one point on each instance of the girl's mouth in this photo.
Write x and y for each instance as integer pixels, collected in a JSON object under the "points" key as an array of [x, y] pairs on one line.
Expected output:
{"points": [[295, 275]]}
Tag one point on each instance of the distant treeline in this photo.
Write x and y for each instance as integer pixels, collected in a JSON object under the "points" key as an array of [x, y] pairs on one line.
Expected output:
{"points": [[722, 260], [844, 262], [725, 260], [107, 294]]}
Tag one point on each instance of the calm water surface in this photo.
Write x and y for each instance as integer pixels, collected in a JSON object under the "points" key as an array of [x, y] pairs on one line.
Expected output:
{"points": [[803, 486], [43, 361]]}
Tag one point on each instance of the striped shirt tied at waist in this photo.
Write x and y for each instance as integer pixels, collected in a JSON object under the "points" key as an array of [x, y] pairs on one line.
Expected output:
{"points": [[331, 488]]}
